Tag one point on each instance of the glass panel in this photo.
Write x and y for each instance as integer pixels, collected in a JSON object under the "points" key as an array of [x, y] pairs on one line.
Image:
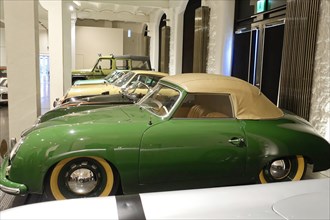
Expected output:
{"points": [[205, 106], [160, 100], [124, 79]]}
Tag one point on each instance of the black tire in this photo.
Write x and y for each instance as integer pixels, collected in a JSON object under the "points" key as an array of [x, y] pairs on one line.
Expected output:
{"points": [[79, 177], [283, 169]]}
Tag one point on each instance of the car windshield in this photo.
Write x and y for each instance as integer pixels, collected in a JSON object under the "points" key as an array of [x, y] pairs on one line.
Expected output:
{"points": [[161, 100], [124, 79], [112, 77]]}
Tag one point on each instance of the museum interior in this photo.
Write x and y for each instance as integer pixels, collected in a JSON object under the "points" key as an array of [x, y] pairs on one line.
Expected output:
{"points": [[143, 97]]}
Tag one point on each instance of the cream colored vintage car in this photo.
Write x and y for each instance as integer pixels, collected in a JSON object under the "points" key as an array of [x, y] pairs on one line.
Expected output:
{"points": [[148, 78]]}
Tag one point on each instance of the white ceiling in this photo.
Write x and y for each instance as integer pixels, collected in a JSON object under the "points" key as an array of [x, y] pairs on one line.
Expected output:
{"points": [[112, 10]]}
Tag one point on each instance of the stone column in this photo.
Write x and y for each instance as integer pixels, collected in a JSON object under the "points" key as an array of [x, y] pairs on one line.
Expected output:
{"points": [[22, 49], [73, 42], [220, 36], [59, 26]]}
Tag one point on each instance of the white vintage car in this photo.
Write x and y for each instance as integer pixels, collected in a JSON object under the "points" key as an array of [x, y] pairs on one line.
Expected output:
{"points": [[3, 90], [306, 199]]}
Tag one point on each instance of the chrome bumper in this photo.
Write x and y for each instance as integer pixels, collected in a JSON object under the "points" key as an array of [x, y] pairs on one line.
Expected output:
{"points": [[6, 185], [10, 190]]}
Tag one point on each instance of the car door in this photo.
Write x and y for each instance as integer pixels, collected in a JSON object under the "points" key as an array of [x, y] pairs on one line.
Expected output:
{"points": [[198, 146]]}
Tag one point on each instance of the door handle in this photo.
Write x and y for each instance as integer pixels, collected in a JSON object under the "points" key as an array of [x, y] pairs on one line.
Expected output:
{"points": [[237, 141]]}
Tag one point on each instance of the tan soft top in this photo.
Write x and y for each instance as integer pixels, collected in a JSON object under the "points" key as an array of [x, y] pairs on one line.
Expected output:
{"points": [[248, 101]]}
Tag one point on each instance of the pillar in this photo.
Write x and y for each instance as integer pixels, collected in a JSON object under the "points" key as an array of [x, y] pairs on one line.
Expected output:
{"points": [[22, 49], [59, 27]]}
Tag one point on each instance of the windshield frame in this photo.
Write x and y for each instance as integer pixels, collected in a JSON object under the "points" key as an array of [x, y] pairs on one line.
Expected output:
{"points": [[152, 91], [96, 65]]}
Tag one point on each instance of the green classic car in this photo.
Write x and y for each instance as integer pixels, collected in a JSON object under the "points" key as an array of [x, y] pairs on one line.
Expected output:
{"points": [[189, 131], [106, 65]]}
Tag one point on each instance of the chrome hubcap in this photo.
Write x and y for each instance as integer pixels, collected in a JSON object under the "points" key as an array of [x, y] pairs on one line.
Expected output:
{"points": [[279, 169], [82, 181]]}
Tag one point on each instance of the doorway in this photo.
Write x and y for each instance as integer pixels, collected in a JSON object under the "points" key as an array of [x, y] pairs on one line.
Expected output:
{"points": [[258, 54], [188, 35]]}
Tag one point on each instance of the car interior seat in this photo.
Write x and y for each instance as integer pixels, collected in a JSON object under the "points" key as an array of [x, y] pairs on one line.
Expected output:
{"points": [[216, 115], [197, 111]]}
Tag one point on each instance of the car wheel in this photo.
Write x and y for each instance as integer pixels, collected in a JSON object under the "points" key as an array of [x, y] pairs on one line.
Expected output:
{"points": [[283, 169], [81, 177]]}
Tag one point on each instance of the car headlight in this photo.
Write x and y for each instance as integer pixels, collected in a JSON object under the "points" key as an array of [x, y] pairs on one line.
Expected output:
{"points": [[15, 149]]}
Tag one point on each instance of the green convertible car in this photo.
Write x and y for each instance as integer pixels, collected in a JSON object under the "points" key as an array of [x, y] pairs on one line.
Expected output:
{"points": [[189, 131]]}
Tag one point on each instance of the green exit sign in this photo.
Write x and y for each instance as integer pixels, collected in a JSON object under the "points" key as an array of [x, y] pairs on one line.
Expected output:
{"points": [[261, 5]]}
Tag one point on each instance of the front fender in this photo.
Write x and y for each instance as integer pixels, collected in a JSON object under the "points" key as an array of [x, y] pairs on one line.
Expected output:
{"points": [[45, 147]]}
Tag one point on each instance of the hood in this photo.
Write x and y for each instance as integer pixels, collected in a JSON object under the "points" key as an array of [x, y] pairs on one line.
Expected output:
{"points": [[94, 89], [130, 114]]}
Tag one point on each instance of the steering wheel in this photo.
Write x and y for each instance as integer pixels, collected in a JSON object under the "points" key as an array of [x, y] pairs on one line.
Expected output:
{"points": [[160, 105]]}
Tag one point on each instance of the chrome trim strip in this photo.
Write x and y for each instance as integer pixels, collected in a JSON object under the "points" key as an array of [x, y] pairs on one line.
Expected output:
{"points": [[13, 142], [10, 190]]}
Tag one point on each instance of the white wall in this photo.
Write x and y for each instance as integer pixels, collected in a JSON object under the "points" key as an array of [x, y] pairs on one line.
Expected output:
{"points": [[153, 27], [220, 36], [43, 41], [132, 45], [90, 41], [2, 48], [320, 103], [176, 16]]}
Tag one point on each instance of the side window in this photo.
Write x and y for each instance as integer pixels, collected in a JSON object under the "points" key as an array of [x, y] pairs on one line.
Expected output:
{"points": [[140, 65], [151, 81], [122, 64], [143, 78], [205, 106]]}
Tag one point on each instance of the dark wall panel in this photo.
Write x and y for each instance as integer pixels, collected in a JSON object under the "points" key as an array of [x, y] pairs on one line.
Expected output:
{"points": [[243, 9], [275, 3], [273, 45], [241, 55], [188, 35]]}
